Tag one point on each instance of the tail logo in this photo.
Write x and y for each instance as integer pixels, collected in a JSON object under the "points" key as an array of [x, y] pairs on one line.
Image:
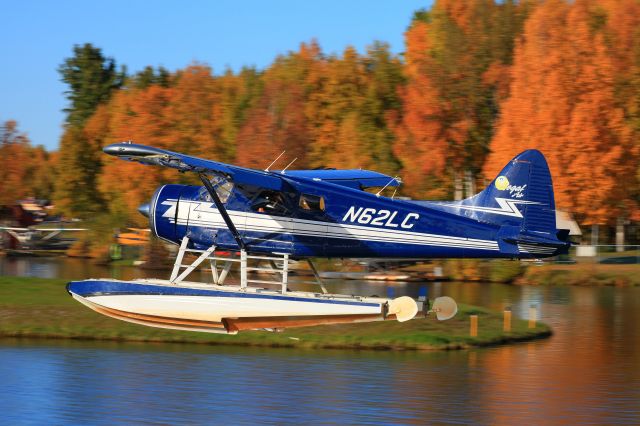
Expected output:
{"points": [[502, 183]]}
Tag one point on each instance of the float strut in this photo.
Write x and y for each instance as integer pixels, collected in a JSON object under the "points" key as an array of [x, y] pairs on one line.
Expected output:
{"points": [[316, 275], [178, 261], [222, 210]]}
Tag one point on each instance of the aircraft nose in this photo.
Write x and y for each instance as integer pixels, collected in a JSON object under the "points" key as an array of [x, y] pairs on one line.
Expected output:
{"points": [[144, 209]]}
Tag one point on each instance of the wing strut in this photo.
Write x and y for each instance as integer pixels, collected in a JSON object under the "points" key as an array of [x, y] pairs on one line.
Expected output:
{"points": [[222, 210]]}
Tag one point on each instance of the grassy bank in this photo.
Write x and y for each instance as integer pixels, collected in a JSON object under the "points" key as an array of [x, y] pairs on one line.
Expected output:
{"points": [[590, 274], [32, 307], [587, 273]]}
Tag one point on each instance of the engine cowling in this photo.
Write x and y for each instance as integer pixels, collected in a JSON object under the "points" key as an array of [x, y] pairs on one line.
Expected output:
{"points": [[169, 211]]}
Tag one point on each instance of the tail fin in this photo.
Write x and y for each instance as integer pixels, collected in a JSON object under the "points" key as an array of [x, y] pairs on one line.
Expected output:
{"points": [[520, 201], [521, 196]]}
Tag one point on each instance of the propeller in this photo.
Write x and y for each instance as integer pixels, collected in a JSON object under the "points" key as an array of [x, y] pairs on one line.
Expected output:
{"points": [[403, 307], [444, 307]]}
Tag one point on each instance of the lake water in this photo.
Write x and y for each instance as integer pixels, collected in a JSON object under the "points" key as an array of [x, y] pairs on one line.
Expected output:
{"points": [[588, 372]]}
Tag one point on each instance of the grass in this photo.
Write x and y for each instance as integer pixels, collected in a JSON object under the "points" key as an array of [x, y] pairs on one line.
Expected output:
{"points": [[591, 274], [41, 308]]}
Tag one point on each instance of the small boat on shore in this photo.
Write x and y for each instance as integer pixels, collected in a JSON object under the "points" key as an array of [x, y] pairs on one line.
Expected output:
{"points": [[372, 276]]}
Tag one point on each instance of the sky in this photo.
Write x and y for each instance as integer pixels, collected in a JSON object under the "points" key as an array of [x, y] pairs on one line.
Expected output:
{"points": [[36, 37]]}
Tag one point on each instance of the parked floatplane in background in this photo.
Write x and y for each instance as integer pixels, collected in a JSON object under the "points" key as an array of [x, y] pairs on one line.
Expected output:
{"points": [[275, 216]]}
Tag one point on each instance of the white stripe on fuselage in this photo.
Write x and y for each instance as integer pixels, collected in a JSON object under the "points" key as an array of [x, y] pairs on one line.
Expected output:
{"points": [[207, 216]]}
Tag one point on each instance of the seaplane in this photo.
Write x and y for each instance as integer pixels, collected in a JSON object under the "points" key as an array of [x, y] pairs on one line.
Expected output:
{"points": [[39, 239], [273, 217]]}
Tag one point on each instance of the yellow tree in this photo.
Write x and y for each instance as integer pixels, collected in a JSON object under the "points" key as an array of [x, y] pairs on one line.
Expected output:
{"points": [[277, 122], [337, 97], [193, 129], [140, 116], [237, 95]]}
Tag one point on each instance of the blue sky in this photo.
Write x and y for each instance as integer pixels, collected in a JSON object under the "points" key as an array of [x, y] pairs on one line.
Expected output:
{"points": [[36, 36]]}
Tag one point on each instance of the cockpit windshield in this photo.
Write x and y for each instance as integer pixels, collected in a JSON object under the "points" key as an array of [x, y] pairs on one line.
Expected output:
{"points": [[222, 186]]}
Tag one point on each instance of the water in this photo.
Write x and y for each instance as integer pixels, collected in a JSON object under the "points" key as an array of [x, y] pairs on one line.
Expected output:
{"points": [[588, 372]]}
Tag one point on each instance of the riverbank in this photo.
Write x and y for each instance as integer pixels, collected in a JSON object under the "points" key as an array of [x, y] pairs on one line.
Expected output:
{"points": [[41, 308], [582, 273], [585, 274]]}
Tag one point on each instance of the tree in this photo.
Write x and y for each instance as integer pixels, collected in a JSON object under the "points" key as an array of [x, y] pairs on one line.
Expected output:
{"points": [[76, 193], [26, 171], [563, 102], [237, 96], [190, 109], [277, 121], [14, 155], [148, 76], [91, 78], [338, 94], [456, 57], [140, 115], [381, 101]]}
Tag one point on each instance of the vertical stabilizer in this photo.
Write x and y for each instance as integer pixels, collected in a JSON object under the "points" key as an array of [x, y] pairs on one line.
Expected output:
{"points": [[520, 201], [521, 195]]}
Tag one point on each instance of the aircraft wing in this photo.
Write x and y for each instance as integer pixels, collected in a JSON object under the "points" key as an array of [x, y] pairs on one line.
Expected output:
{"points": [[161, 157], [34, 229], [358, 179]]}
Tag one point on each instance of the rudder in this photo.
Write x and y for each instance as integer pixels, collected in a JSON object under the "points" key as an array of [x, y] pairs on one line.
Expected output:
{"points": [[520, 196]]}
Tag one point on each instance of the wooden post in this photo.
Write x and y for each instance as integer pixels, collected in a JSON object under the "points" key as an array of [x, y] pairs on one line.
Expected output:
{"points": [[532, 316], [473, 331], [506, 326]]}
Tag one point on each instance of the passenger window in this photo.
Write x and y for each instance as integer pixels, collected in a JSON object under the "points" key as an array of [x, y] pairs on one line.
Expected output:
{"points": [[311, 202]]}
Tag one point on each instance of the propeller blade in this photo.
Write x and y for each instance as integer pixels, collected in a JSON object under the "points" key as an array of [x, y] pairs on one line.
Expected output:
{"points": [[404, 308], [444, 307]]}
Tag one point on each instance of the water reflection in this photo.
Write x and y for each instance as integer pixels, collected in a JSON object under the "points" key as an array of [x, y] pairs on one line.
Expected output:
{"points": [[588, 372]]}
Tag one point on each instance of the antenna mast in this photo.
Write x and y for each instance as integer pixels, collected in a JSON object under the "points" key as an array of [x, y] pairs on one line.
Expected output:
{"points": [[385, 187], [294, 160], [273, 162]]}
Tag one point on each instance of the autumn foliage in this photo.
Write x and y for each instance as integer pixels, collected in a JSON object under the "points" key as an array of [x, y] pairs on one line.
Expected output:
{"points": [[26, 171], [566, 100], [479, 82]]}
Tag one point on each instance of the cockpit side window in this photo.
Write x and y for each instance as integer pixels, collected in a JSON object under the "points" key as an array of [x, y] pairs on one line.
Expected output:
{"points": [[311, 203], [270, 202]]}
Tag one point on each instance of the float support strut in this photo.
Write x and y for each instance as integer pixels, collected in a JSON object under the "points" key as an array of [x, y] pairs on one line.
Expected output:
{"points": [[316, 275], [222, 210]]}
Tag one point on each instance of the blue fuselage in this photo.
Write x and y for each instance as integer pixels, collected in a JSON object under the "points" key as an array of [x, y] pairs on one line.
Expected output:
{"points": [[321, 219]]}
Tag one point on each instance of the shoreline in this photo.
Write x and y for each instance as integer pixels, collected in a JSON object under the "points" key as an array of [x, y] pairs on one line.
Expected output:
{"points": [[507, 340], [24, 302], [581, 274]]}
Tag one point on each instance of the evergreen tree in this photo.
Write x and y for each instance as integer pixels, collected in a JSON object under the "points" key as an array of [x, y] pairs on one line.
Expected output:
{"points": [[76, 193], [381, 100], [91, 78]]}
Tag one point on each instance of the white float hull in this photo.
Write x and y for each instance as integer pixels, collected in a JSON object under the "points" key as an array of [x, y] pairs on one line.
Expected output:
{"points": [[220, 309]]}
